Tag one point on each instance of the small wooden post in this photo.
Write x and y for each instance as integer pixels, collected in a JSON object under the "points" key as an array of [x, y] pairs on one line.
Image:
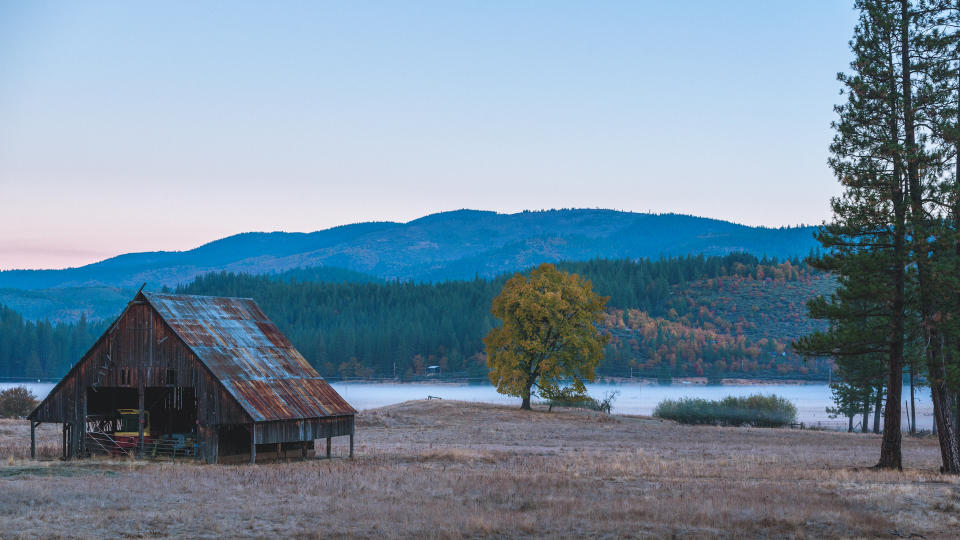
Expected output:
{"points": [[33, 439], [63, 447], [303, 450], [140, 415], [82, 436], [253, 445], [280, 452], [328, 447], [351, 446]]}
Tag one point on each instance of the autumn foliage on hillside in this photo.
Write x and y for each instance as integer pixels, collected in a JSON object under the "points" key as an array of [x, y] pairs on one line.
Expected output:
{"points": [[738, 325]]}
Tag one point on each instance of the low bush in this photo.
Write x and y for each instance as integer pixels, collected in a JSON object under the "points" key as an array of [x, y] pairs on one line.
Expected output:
{"points": [[567, 397], [16, 402], [606, 404], [756, 410]]}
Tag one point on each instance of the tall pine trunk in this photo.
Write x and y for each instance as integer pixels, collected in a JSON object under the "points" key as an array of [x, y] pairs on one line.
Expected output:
{"points": [[956, 416], [891, 453], [942, 405], [919, 234], [956, 223]]}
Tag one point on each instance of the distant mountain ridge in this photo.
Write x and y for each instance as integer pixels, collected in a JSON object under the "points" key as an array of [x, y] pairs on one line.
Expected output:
{"points": [[447, 245]]}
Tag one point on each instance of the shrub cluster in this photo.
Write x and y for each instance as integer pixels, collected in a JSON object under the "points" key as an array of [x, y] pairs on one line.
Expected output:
{"points": [[16, 402], [568, 397], [756, 410]]}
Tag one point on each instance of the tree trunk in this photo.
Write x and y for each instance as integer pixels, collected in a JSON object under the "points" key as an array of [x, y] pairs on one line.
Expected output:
{"points": [[913, 404], [943, 413], [956, 416], [910, 426], [850, 424], [532, 372], [930, 315], [956, 223], [891, 454], [525, 405], [878, 403], [943, 423], [865, 425]]}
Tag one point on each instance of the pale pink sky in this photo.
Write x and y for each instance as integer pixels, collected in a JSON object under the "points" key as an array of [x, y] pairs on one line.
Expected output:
{"points": [[141, 127]]}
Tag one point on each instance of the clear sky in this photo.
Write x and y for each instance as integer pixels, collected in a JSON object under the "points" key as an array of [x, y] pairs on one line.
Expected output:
{"points": [[135, 126]]}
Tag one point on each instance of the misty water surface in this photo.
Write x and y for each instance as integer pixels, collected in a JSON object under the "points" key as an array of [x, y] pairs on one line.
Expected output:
{"points": [[633, 398]]}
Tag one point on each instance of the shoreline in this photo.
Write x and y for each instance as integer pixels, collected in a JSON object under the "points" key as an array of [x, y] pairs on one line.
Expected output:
{"points": [[636, 396], [703, 381], [643, 381]]}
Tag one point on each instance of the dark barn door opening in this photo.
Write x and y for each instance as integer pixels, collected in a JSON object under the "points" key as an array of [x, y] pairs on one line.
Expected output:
{"points": [[173, 411], [234, 440], [112, 424], [104, 402]]}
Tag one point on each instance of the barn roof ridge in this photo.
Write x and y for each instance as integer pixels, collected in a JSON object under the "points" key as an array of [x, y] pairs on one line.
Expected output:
{"points": [[151, 293]]}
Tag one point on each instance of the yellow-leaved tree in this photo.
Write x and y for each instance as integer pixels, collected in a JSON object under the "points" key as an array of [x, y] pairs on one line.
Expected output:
{"points": [[548, 338]]}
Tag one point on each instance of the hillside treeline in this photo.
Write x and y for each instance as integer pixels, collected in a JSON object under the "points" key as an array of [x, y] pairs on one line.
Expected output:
{"points": [[687, 316], [401, 328], [42, 349]]}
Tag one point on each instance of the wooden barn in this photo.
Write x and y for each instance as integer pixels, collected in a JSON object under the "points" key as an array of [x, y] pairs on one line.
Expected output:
{"points": [[206, 376]]}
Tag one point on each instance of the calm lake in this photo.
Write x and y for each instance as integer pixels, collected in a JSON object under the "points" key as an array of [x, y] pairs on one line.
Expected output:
{"points": [[633, 398]]}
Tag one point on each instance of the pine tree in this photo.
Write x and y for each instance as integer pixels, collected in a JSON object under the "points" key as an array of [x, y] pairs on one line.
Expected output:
{"points": [[930, 44], [865, 244]]}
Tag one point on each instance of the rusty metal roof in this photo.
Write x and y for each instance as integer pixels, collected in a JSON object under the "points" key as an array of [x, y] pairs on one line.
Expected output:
{"points": [[253, 360]]}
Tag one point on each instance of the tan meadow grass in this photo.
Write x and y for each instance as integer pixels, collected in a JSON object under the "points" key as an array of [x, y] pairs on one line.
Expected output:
{"points": [[437, 469]]}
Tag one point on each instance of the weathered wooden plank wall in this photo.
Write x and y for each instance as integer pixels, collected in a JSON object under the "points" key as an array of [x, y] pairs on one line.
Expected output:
{"points": [[139, 351]]}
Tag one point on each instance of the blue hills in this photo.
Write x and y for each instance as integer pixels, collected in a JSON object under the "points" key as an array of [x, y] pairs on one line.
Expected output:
{"points": [[449, 245]]}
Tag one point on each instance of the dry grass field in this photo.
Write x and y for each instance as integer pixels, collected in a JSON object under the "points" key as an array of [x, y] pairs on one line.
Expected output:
{"points": [[436, 469]]}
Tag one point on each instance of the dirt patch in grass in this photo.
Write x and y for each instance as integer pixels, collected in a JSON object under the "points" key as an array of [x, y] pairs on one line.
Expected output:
{"points": [[60, 470], [442, 469]]}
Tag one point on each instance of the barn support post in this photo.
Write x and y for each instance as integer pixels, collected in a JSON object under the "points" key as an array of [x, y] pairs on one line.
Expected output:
{"points": [[141, 416], [253, 444], [63, 445], [33, 439], [214, 446], [82, 435], [328, 447], [351, 446], [75, 430], [75, 440]]}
